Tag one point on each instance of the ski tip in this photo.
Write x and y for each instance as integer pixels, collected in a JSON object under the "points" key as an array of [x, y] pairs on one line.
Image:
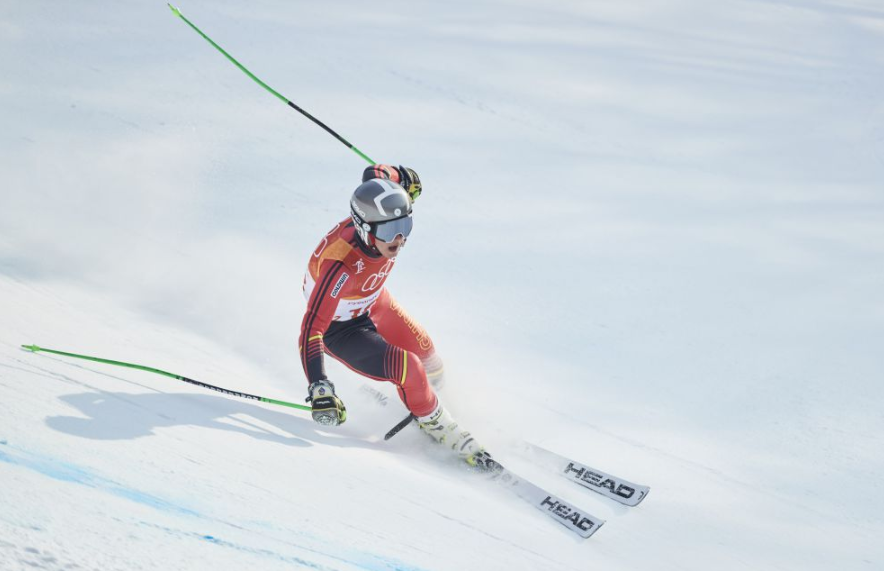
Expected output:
{"points": [[175, 10], [31, 348]]}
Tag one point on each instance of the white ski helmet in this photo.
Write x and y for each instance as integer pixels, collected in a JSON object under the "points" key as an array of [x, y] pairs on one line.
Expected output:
{"points": [[381, 209]]}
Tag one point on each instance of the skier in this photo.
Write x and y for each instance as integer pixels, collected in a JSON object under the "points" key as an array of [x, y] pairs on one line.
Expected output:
{"points": [[354, 318]]}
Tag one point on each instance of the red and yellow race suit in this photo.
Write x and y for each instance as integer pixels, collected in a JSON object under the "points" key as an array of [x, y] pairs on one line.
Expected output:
{"points": [[352, 317]]}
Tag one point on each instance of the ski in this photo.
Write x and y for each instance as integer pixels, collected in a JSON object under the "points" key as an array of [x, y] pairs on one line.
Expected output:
{"points": [[576, 520], [617, 489]]}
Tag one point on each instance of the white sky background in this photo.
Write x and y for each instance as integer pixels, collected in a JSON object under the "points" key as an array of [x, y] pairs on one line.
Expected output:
{"points": [[668, 215]]}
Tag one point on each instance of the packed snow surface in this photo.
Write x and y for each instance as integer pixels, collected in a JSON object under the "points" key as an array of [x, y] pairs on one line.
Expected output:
{"points": [[651, 239]]}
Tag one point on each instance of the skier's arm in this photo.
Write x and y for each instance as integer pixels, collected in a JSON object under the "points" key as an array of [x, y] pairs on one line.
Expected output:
{"points": [[320, 311], [402, 175]]}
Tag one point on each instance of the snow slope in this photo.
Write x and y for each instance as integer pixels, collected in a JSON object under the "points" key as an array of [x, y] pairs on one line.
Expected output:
{"points": [[652, 238]]}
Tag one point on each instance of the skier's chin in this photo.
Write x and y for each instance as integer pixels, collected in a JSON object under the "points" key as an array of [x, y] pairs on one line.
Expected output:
{"points": [[389, 249], [390, 253]]}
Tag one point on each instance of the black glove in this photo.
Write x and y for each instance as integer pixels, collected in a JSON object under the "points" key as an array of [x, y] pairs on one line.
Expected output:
{"points": [[327, 408], [410, 182]]}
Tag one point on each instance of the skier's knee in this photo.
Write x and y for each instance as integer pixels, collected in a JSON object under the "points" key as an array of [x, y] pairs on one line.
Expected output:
{"points": [[435, 370]]}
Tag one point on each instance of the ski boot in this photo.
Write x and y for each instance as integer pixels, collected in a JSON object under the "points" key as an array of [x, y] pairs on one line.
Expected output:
{"points": [[444, 429]]}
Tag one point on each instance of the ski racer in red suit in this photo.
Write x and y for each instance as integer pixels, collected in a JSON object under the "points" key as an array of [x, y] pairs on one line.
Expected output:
{"points": [[352, 317]]}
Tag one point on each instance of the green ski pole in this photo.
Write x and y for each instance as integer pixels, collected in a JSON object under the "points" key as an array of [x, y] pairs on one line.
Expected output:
{"points": [[281, 97], [35, 349]]}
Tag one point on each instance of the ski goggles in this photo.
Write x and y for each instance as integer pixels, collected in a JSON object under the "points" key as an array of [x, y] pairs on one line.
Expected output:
{"points": [[388, 230]]}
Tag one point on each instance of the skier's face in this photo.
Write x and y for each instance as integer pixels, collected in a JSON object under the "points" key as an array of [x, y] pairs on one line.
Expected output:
{"points": [[390, 249]]}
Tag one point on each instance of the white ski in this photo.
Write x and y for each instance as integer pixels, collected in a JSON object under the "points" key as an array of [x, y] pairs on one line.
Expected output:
{"points": [[576, 520], [617, 489]]}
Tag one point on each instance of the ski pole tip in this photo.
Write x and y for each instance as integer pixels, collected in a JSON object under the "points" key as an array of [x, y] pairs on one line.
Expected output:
{"points": [[175, 10], [31, 348]]}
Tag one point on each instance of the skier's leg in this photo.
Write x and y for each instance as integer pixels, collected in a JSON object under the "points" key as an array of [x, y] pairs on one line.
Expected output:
{"points": [[360, 347], [400, 329], [446, 431]]}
